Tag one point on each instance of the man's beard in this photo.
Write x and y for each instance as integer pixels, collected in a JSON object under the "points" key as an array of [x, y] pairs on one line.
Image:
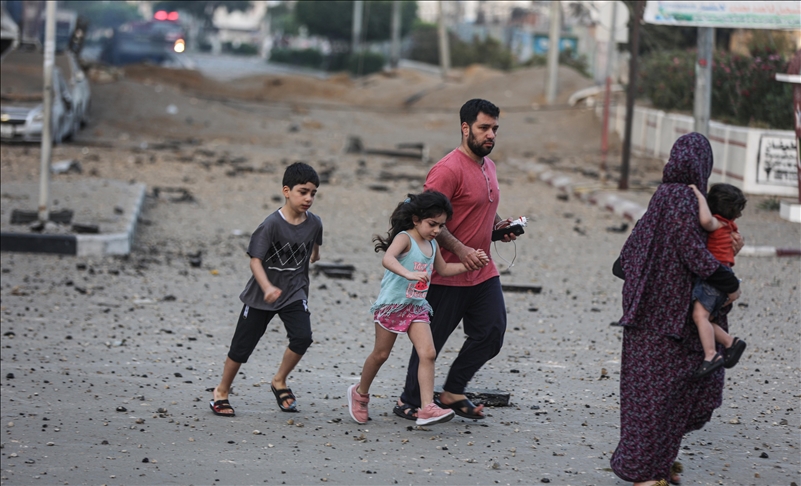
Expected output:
{"points": [[477, 148]]}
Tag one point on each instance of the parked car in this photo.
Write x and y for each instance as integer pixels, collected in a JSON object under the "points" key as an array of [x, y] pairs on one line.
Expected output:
{"points": [[155, 41], [21, 106]]}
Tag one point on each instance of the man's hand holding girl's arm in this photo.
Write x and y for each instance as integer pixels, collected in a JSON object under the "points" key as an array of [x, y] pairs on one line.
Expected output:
{"points": [[470, 257]]}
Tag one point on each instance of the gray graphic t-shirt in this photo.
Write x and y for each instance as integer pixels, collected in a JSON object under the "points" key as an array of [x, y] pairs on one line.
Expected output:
{"points": [[284, 250]]}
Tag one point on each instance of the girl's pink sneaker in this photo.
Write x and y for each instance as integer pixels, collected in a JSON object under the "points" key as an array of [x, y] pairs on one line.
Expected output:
{"points": [[357, 405], [432, 414]]}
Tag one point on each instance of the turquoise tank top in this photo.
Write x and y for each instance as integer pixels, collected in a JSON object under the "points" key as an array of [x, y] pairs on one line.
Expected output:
{"points": [[397, 293]]}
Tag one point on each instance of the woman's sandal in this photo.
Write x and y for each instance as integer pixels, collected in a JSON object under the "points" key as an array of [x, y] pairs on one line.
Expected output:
{"points": [[283, 395], [732, 354], [458, 406], [406, 411], [675, 469], [708, 367]]}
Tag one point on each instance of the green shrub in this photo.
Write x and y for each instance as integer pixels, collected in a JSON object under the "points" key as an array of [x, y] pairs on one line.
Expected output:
{"points": [[366, 63], [311, 58], [243, 48], [359, 65], [744, 91]]}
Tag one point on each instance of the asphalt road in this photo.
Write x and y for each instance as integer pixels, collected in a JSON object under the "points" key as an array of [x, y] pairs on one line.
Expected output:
{"points": [[106, 361]]}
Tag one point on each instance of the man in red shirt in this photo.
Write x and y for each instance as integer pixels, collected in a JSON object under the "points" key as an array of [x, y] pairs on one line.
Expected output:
{"points": [[467, 177]]}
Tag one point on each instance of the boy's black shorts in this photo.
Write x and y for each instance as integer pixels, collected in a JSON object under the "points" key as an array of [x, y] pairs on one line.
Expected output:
{"points": [[253, 323]]}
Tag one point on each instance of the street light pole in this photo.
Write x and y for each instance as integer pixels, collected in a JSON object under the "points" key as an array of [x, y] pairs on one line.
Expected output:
{"points": [[703, 80], [553, 50], [444, 46], [358, 8], [634, 44], [47, 118], [394, 57]]}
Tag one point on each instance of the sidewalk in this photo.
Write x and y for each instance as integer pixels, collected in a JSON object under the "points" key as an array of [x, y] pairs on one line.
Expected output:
{"points": [[113, 206], [631, 205]]}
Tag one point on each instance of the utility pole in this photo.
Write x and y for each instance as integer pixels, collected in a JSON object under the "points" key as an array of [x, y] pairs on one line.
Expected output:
{"points": [[444, 46], [394, 57], [47, 120], [703, 80], [634, 44], [553, 50], [358, 9], [610, 52]]}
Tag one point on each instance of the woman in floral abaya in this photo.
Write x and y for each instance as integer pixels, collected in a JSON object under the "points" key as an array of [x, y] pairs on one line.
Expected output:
{"points": [[659, 399]]}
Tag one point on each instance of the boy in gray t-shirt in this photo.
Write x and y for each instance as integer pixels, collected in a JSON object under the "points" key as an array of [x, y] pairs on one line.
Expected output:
{"points": [[280, 251]]}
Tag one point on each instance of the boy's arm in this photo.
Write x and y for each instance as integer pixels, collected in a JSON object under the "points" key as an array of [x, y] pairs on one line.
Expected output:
{"points": [[271, 292], [315, 256], [708, 222], [450, 269]]}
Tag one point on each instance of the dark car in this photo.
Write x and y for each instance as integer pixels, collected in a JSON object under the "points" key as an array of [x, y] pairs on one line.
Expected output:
{"points": [[148, 41]]}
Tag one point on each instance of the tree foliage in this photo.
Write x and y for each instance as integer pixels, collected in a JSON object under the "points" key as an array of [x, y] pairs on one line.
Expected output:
{"points": [[334, 18], [490, 52], [743, 89], [105, 14]]}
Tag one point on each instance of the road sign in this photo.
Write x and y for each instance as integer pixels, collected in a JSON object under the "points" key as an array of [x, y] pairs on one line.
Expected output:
{"points": [[736, 15]]}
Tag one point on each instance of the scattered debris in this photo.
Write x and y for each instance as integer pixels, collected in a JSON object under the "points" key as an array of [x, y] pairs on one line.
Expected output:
{"points": [[85, 228], [419, 151], [196, 259], [66, 166], [335, 270], [509, 287], [183, 194], [490, 398], [618, 229]]}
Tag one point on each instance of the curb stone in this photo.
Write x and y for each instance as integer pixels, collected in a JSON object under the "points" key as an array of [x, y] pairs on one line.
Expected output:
{"points": [[632, 211], [81, 245]]}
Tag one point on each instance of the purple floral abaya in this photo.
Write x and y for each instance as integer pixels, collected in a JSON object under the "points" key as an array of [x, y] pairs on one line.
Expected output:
{"points": [[659, 399]]}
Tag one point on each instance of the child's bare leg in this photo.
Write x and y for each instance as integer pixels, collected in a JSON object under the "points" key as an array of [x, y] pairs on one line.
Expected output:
{"points": [[722, 336], [384, 341], [420, 335], [705, 330], [288, 363], [230, 369]]}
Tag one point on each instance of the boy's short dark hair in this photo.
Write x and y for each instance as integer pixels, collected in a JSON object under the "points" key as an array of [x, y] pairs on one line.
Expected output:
{"points": [[726, 200], [300, 173], [470, 110]]}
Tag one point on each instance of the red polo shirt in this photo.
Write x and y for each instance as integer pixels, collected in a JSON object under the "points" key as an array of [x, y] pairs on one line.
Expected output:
{"points": [[474, 193]]}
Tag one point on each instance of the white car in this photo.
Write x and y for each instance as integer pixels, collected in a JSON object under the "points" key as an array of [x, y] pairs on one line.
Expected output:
{"points": [[21, 107]]}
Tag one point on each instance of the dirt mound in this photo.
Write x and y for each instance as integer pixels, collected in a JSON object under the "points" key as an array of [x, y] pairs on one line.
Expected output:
{"points": [[400, 88]]}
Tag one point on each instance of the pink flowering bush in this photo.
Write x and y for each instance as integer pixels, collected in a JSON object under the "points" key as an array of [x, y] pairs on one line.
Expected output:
{"points": [[744, 91]]}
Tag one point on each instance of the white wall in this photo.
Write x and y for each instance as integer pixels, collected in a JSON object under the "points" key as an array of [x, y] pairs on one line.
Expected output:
{"points": [[758, 161]]}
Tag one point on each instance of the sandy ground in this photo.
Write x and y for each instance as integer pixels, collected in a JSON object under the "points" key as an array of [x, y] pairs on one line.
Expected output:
{"points": [[106, 361]]}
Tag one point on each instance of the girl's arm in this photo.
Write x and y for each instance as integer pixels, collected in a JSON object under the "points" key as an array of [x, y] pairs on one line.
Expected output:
{"points": [[315, 256], [400, 245], [271, 292], [708, 222], [451, 269]]}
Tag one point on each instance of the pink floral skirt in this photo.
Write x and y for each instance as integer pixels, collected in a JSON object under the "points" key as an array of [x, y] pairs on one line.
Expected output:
{"points": [[400, 320]]}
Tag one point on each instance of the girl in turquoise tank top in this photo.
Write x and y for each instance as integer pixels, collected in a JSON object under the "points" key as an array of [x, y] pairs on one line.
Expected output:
{"points": [[401, 307]]}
